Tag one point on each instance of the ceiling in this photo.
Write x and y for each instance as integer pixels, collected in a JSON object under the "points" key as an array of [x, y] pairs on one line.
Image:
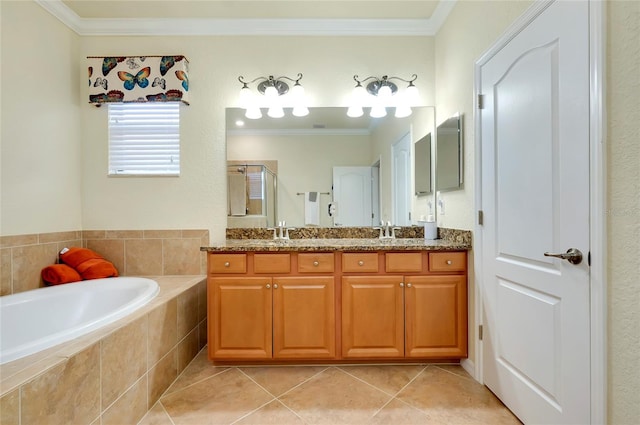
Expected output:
{"points": [[261, 9]]}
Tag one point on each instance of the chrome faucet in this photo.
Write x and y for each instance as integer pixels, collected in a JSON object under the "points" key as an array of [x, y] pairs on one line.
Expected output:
{"points": [[387, 231], [282, 231]]}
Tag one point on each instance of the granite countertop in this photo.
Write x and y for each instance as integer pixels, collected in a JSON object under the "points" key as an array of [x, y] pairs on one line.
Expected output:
{"points": [[342, 244]]}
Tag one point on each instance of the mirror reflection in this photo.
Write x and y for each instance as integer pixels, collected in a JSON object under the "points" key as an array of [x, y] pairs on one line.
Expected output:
{"points": [[325, 169], [422, 167], [449, 154]]}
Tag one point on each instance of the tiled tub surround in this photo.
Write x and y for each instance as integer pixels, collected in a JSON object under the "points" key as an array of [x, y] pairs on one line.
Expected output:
{"points": [[133, 252], [115, 374]]}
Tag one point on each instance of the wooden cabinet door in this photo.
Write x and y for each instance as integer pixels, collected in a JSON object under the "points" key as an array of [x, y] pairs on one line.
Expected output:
{"points": [[372, 317], [304, 317], [239, 314], [436, 316]]}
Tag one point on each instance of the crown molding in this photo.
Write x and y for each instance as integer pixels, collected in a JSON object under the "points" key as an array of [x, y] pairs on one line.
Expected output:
{"points": [[198, 26]]}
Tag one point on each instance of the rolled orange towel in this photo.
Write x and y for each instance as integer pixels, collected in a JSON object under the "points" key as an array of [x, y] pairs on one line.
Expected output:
{"points": [[88, 263], [57, 274]]}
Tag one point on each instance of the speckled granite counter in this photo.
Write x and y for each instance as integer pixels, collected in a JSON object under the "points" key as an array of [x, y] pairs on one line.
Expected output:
{"points": [[330, 245]]}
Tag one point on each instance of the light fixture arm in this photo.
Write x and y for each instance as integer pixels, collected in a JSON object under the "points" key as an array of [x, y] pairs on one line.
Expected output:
{"points": [[374, 86], [270, 81]]}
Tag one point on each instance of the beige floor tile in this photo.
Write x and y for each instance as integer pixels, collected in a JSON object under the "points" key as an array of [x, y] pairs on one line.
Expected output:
{"points": [[220, 399], [397, 412], [274, 413], [334, 397], [455, 369], [278, 380], [389, 379], [199, 369], [156, 416], [450, 398]]}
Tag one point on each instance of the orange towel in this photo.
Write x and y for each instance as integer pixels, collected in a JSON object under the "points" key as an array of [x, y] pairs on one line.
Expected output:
{"points": [[89, 264], [57, 274]]}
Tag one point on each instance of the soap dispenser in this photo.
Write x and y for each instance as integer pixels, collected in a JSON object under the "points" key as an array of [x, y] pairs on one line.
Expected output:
{"points": [[430, 228]]}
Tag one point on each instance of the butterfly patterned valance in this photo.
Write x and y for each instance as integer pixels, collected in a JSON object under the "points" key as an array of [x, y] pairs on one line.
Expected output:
{"points": [[138, 79]]}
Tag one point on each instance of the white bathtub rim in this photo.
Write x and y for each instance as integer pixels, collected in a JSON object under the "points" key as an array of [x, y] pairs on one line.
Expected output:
{"points": [[71, 334]]}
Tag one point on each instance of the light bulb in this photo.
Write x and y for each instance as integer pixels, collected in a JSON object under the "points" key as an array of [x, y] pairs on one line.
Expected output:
{"points": [[403, 111], [253, 113], [355, 111], [358, 95], [411, 95], [300, 111], [275, 111], [384, 92], [271, 92], [246, 97], [378, 111]]}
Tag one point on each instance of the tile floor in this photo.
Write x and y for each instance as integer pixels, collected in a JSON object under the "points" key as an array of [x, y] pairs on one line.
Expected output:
{"points": [[398, 395]]}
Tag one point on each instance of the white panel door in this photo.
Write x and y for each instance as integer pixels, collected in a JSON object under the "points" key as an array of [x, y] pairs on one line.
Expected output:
{"points": [[401, 189], [352, 196], [535, 197]]}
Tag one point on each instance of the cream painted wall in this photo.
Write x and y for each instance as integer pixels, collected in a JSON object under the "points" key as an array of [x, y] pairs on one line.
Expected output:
{"points": [[197, 197], [40, 138], [623, 224], [304, 164]]}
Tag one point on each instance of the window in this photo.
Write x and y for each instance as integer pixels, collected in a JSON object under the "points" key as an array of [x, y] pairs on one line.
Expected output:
{"points": [[144, 139]]}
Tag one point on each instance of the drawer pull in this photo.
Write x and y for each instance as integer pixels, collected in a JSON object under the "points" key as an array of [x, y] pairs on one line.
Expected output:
{"points": [[408, 285], [361, 263], [275, 286], [449, 262], [227, 264], [401, 285], [268, 286], [316, 263]]}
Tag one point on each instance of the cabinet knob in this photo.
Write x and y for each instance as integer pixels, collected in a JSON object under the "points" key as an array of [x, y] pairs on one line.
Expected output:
{"points": [[316, 263], [361, 263], [401, 284], [268, 286], [275, 286], [408, 285], [449, 262], [227, 264]]}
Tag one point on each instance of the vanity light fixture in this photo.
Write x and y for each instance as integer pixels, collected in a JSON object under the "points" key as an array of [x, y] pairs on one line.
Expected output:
{"points": [[275, 96], [380, 94]]}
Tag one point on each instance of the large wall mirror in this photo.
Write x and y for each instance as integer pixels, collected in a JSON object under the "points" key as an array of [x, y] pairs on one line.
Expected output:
{"points": [[449, 154], [273, 165]]}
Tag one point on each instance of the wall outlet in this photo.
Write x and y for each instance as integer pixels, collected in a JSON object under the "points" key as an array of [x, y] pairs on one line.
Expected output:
{"points": [[440, 207]]}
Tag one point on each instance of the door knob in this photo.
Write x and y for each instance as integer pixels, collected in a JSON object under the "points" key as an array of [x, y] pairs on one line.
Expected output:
{"points": [[573, 255]]}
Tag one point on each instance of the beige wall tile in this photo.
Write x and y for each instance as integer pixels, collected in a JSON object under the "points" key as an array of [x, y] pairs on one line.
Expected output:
{"points": [[111, 249], [10, 408], [5, 272], [143, 257], [124, 234], [162, 234], [129, 408], [28, 262], [195, 233], [59, 236], [162, 375], [202, 334], [67, 394], [187, 311], [93, 234], [18, 240], [124, 359], [202, 300], [163, 330], [181, 256], [69, 244], [187, 349]]}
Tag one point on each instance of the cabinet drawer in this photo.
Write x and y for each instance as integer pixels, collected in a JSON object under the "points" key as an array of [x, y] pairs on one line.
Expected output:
{"points": [[272, 263], [447, 261], [315, 263], [227, 263], [360, 262], [403, 262]]}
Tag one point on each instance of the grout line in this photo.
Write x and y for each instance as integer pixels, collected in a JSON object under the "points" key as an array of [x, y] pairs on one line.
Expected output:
{"points": [[166, 413], [254, 410], [192, 384], [394, 397], [455, 374], [303, 382]]}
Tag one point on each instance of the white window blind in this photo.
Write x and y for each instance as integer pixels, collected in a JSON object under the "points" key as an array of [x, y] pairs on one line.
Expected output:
{"points": [[255, 184], [144, 138]]}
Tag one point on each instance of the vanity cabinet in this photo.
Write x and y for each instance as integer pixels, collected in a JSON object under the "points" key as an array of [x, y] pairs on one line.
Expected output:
{"points": [[253, 317], [337, 306], [406, 315]]}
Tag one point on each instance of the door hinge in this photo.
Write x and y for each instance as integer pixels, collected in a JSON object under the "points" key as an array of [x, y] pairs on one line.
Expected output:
{"points": [[480, 332], [480, 217], [409, 215], [480, 101]]}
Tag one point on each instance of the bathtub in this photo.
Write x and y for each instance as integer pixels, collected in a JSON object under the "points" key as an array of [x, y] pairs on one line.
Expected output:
{"points": [[34, 320]]}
